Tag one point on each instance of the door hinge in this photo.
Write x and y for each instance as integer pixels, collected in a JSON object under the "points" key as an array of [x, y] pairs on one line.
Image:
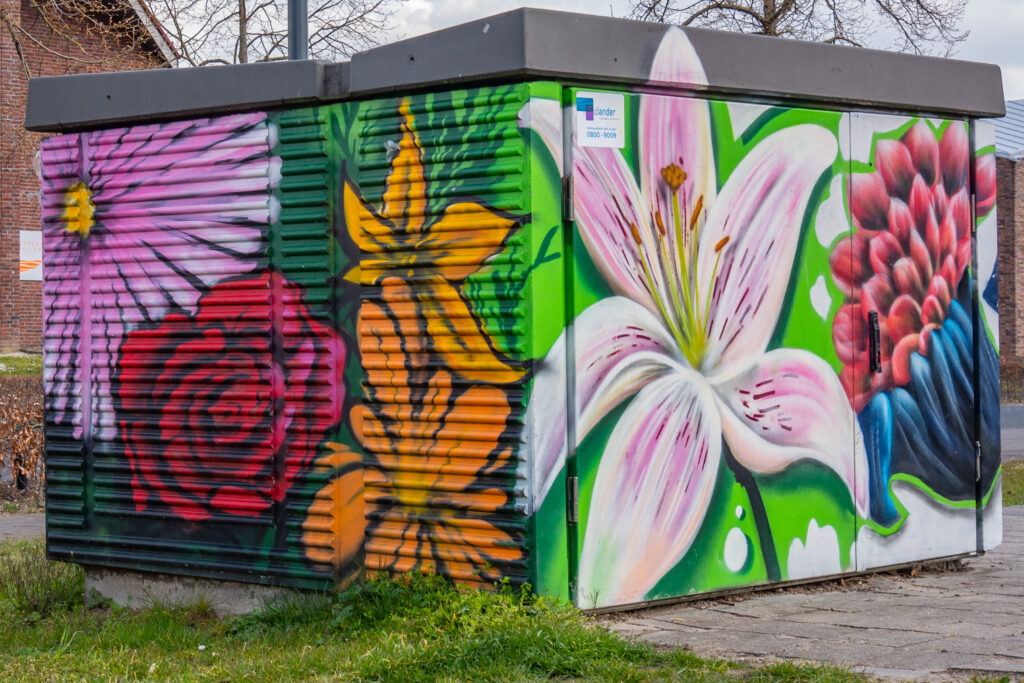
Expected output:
{"points": [[572, 499], [568, 198], [977, 461]]}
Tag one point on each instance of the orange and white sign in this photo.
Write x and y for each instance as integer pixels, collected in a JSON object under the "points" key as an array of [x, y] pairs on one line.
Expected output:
{"points": [[31, 255]]}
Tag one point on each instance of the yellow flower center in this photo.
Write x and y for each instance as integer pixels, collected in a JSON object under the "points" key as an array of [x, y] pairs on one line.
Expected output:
{"points": [[674, 176], [79, 210], [672, 276]]}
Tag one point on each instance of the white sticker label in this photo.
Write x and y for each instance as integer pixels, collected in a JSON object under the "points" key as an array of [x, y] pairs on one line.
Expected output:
{"points": [[600, 119], [30, 261]]}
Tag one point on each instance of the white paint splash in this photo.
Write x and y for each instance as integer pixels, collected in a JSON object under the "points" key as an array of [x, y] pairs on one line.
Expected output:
{"points": [[931, 530], [863, 127], [820, 298], [817, 555], [737, 547], [831, 221]]}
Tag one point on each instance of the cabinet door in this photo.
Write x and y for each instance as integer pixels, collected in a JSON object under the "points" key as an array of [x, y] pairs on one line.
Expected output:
{"points": [[716, 444], [930, 394]]}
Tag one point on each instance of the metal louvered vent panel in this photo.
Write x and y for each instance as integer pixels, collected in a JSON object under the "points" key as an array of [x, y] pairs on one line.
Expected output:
{"points": [[442, 200], [62, 368], [313, 355], [183, 389]]}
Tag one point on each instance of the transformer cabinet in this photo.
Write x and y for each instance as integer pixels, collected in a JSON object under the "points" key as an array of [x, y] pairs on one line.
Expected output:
{"points": [[620, 310]]}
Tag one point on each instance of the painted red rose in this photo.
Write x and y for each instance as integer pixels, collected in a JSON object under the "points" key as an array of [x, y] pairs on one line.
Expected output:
{"points": [[220, 410]]}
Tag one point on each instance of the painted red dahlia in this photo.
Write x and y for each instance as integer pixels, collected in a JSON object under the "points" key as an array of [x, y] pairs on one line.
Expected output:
{"points": [[910, 249]]}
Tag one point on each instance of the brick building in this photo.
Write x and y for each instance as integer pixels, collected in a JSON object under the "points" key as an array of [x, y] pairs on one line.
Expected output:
{"points": [[1010, 200], [31, 42]]}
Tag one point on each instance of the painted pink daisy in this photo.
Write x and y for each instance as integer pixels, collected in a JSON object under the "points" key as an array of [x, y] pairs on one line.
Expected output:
{"points": [[139, 222]]}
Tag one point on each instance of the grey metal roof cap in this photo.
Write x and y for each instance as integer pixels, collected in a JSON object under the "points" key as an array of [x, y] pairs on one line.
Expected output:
{"points": [[67, 103], [580, 47], [527, 44]]}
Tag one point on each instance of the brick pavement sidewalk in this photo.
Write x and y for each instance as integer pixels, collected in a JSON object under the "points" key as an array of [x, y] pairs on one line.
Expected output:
{"points": [[938, 625]]}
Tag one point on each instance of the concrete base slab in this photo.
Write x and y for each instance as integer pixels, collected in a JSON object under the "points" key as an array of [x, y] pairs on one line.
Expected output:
{"points": [[140, 590]]}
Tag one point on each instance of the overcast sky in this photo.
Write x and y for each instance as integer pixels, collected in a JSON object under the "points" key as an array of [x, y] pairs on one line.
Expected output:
{"points": [[996, 26]]}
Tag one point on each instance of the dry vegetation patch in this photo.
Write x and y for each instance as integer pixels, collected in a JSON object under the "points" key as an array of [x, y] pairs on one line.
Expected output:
{"points": [[21, 442]]}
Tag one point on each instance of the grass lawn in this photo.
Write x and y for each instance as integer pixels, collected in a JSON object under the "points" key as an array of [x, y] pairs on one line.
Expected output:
{"points": [[413, 629], [1013, 483], [21, 364]]}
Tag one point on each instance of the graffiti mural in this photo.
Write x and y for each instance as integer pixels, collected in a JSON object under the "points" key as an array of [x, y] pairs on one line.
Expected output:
{"points": [[206, 390], [698, 266], [727, 430], [908, 261], [305, 346], [439, 424], [296, 368], [202, 425], [123, 224]]}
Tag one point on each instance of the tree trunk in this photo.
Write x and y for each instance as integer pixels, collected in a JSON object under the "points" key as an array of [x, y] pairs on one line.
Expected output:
{"points": [[243, 36], [769, 22]]}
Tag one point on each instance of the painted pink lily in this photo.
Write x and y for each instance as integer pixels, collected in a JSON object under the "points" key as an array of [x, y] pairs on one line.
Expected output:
{"points": [[700, 277]]}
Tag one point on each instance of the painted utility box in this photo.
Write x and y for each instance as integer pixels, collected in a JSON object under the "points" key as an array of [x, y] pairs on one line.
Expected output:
{"points": [[619, 310]]}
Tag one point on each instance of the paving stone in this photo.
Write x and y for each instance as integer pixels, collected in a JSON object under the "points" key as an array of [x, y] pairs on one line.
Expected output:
{"points": [[849, 634], [626, 628], [900, 674], [719, 644], [755, 608], [1004, 666], [903, 658], [978, 646]]}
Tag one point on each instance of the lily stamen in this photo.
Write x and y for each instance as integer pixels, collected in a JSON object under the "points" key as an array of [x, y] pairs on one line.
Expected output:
{"points": [[636, 234], [696, 212]]}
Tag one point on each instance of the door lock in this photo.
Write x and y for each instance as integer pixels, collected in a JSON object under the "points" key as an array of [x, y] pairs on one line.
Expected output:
{"points": [[874, 342]]}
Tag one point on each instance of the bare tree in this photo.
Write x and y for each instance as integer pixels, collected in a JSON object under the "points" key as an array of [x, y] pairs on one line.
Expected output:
{"points": [[921, 26], [54, 37], [85, 35], [240, 31]]}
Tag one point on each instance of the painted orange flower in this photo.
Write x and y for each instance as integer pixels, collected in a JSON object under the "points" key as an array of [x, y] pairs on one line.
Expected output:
{"points": [[438, 419], [332, 532]]}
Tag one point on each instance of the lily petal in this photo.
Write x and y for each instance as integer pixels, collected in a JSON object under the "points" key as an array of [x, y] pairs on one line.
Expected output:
{"points": [[791, 406], [652, 489], [620, 348], [544, 116], [676, 130], [758, 215], [608, 208]]}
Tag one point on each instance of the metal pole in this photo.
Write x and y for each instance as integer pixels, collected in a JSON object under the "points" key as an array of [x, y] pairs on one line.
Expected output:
{"points": [[298, 30]]}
